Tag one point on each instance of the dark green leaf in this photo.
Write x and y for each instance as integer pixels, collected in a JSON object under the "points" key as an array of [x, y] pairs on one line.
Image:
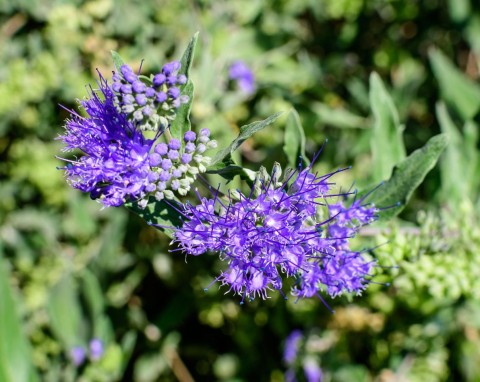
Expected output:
{"points": [[294, 140], [230, 171], [165, 214], [181, 123], [407, 176], [15, 353], [245, 132], [457, 89], [387, 142], [117, 60]]}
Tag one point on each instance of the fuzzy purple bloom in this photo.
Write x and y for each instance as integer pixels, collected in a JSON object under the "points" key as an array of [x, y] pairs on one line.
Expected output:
{"points": [[78, 355], [280, 232], [116, 165], [243, 76], [96, 349]]}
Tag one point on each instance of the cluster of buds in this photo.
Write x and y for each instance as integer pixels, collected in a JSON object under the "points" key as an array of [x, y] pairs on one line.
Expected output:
{"points": [[149, 101], [173, 169]]}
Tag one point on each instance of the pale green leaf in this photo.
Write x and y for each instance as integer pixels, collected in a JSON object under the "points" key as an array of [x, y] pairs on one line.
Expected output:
{"points": [[457, 89], [387, 141], [15, 352], [117, 60], [294, 140], [63, 309]]}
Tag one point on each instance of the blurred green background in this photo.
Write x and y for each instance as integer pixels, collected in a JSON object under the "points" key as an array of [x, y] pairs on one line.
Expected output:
{"points": [[70, 271]]}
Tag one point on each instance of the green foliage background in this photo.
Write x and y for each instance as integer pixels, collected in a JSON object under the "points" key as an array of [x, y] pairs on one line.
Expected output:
{"points": [[70, 271]]}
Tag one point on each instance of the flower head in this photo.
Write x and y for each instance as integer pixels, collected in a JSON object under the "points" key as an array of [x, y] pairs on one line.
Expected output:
{"points": [[120, 163], [151, 101], [297, 228], [243, 76]]}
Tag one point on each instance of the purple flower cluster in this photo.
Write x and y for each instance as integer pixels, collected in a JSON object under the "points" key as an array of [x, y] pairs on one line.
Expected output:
{"points": [[297, 228], [243, 76], [78, 354], [121, 164], [146, 100]]}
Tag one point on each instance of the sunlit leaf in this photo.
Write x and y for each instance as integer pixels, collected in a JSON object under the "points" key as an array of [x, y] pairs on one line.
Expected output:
{"points": [[15, 353], [245, 132], [387, 141], [181, 123], [457, 89], [294, 140]]}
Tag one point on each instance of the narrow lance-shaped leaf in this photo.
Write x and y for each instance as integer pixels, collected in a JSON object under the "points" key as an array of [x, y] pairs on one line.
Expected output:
{"points": [[457, 89], [245, 132], [63, 310], [117, 60], [407, 176], [452, 165], [181, 123], [339, 117], [15, 352], [231, 170], [93, 292], [387, 142], [294, 140]]}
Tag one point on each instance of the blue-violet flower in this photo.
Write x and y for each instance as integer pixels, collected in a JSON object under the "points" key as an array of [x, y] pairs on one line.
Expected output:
{"points": [[297, 228], [120, 163], [243, 76]]}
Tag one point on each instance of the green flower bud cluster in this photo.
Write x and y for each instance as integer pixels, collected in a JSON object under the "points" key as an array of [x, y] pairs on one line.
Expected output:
{"points": [[437, 264]]}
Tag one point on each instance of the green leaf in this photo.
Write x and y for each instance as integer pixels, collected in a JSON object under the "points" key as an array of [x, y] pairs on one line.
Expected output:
{"points": [[15, 352], [471, 132], [187, 57], [181, 123], [457, 89], [452, 165], [93, 293], [117, 60], [232, 170], [460, 164], [294, 140], [459, 10], [163, 213], [339, 117], [387, 142], [128, 344], [407, 176], [245, 132], [64, 312]]}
